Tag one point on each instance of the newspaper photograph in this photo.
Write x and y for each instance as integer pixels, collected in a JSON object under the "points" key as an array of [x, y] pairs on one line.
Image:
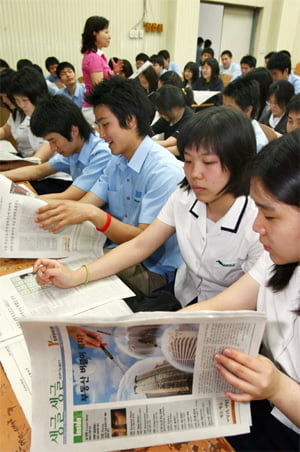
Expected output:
{"points": [[136, 381], [21, 237]]}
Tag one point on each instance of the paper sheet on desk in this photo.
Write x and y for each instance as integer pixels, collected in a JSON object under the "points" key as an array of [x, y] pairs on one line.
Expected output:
{"points": [[8, 154], [20, 236], [202, 96]]}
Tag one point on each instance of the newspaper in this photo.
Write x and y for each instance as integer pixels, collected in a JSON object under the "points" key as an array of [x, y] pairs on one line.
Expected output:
{"points": [[8, 153], [21, 237], [152, 380]]}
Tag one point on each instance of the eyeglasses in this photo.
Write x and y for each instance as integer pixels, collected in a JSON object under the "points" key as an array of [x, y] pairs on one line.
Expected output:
{"points": [[272, 104]]}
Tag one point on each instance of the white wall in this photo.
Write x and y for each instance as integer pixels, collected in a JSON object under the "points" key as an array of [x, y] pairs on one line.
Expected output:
{"points": [[36, 29]]}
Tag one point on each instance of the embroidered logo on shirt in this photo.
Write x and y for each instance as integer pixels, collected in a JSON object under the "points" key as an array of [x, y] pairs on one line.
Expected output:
{"points": [[225, 265], [138, 196]]}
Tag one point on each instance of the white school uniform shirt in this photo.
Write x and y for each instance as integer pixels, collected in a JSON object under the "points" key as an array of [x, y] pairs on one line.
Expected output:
{"points": [[282, 333], [20, 130], [215, 254]]}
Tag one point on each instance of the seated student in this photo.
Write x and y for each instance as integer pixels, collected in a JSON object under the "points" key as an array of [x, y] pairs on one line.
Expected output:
{"points": [[149, 81], [23, 62], [140, 59], [190, 74], [51, 64], [280, 67], [126, 71], [200, 42], [208, 52], [73, 89], [23, 90], [171, 105], [135, 185], [247, 63], [3, 65], [79, 150], [293, 112], [264, 79], [172, 78], [271, 380], [158, 64], [243, 94], [280, 93], [169, 65], [52, 87], [210, 212], [228, 67], [210, 80]]}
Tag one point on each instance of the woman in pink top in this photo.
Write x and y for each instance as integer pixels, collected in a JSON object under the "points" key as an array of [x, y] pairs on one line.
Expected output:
{"points": [[95, 68]]}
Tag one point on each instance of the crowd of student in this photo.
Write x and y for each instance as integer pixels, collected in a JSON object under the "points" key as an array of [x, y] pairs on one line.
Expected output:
{"points": [[182, 229]]}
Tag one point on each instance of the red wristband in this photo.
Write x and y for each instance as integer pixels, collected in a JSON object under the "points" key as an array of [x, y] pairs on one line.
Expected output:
{"points": [[107, 223]]}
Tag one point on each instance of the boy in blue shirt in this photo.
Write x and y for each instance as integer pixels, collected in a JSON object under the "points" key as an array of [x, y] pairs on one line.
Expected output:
{"points": [[73, 89]]}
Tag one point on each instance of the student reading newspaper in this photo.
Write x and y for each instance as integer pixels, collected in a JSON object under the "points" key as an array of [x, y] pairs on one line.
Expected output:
{"points": [[272, 286]]}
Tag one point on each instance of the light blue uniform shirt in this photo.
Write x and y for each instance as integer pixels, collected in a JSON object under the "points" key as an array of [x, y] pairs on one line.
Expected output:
{"points": [[136, 190], [175, 67], [295, 81], [78, 94], [86, 166]]}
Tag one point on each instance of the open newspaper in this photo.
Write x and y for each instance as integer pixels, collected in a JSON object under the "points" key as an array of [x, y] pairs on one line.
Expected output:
{"points": [[150, 380], [21, 237]]}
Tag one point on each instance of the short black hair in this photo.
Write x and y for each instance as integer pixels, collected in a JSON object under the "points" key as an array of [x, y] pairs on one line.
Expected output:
{"points": [[269, 54], [208, 50], [200, 41], [165, 54], [29, 82], [142, 57], [228, 133], [172, 78], [227, 52], [151, 77], [4, 64], [6, 78], [280, 61], [50, 61], [207, 43], [283, 92], [248, 59], [294, 103], [157, 59], [126, 99], [63, 65], [167, 97], [58, 114], [245, 93], [23, 62]]}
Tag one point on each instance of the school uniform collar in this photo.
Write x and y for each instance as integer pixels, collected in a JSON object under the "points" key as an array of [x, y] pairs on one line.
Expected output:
{"points": [[231, 221], [137, 160]]}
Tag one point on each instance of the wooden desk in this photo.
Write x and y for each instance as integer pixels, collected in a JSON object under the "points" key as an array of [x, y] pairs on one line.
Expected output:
{"points": [[15, 432]]}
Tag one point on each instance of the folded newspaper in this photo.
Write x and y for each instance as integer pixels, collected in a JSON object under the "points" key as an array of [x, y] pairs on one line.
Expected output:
{"points": [[21, 237], [9, 154], [149, 379]]}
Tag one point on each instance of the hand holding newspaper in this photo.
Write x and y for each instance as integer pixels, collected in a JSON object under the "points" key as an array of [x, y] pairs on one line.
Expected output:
{"points": [[21, 237], [135, 381]]}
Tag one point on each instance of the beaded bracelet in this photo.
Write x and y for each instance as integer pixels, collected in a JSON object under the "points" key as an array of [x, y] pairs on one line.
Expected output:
{"points": [[88, 274], [107, 223]]}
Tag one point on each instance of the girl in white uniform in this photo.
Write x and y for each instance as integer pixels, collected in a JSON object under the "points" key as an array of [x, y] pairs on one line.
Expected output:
{"points": [[210, 213], [271, 380]]}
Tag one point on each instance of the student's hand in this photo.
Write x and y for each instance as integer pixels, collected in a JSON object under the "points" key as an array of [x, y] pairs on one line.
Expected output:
{"points": [[85, 337], [57, 214], [50, 271], [256, 377], [117, 66]]}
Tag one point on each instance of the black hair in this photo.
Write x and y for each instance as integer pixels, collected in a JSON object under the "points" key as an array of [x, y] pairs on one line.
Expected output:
{"points": [[93, 24], [208, 50], [152, 78], [248, 59], [276, 166], [200, 41], [57, 114], [229, 134], [165, 54], [280, 61], [215, 68], [29, 82], [227, 52], [245, 93], [264, 79], [6, 77], [23, 62], [194, 68], [126, 99], [4, 64], [168, 97], [50, 61], [172, 78], [63, 65], [157, 59], [294, 103], [283, 91], [142, 57], [126, 68], [207, 43], [269, 54]]}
